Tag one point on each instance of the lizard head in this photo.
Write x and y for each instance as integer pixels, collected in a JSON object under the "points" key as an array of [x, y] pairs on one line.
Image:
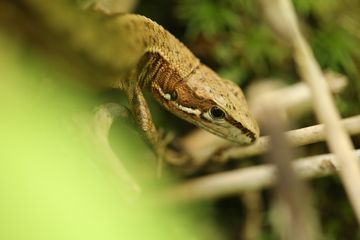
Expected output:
{"points": [[210, 102]]}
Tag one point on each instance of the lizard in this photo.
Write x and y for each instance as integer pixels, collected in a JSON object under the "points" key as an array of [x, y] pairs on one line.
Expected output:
{"points": [[181, 84], [148, 57]]}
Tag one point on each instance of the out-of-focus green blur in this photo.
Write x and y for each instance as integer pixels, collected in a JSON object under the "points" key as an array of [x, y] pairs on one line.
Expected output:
{"points": [[53, 183], [54, 180]]}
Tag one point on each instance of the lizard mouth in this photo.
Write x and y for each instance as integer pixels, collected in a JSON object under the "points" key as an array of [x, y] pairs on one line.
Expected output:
{"points": [[228, 131], [245, 131]]}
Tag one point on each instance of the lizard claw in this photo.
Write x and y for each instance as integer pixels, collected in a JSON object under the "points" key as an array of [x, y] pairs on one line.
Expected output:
{"points": [[165, 138]]}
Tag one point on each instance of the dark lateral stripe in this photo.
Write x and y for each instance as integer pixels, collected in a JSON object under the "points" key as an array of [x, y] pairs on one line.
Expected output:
{"points": [[149, 67], [246, 131], [156, 70]]}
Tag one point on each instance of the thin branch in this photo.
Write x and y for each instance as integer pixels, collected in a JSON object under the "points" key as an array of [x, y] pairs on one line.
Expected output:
{"points": [[298, 137], [202, 145], [253, 219], [253, 178], [295, 99], [97, 127], [295, 217], [282, 18]]}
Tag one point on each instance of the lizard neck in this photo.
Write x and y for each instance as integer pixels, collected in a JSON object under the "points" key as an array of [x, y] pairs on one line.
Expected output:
{"points": [[154, 71], [169, 88], [145, 36]]}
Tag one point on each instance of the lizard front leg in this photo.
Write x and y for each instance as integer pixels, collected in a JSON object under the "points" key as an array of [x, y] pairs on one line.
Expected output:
{"points": [[146, 125], [142, 116]]}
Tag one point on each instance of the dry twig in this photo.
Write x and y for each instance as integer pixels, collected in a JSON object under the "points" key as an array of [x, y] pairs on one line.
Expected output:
{"points": [[253, 220], [298, 137], [97, 131], [295, 218], [253, 178], [294, 100], [281, 17], [201, 145]]}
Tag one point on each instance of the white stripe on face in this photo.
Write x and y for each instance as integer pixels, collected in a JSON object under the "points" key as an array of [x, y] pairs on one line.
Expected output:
{"points": [[167, 96], [196, 112]]}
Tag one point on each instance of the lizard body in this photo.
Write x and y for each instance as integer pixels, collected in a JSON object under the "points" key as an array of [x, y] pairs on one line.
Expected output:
{"points": [[142, 55], [181, 84]]}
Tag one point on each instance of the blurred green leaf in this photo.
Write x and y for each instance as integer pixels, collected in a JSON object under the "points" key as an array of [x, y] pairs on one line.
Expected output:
{"points": [[54, 183]]}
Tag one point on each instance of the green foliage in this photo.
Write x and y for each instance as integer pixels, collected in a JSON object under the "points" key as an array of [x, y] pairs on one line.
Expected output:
{"points": [[208, 17], [240, 44], [55, 182], [243, 48]]}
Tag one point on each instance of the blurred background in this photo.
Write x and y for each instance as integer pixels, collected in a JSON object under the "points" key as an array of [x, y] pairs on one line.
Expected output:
{"points": [[53, 182]]}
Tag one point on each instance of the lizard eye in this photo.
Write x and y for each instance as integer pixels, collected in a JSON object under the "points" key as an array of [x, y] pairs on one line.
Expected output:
{"points": [[217, 113], [173, 95]]}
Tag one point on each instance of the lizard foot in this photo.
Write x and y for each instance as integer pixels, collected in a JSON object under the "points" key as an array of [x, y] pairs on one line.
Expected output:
{"points": [[165, 138]]}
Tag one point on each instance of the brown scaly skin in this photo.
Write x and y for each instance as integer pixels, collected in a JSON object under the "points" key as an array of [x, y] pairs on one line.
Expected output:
{"points": [[143, 55], [183, 85]]}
